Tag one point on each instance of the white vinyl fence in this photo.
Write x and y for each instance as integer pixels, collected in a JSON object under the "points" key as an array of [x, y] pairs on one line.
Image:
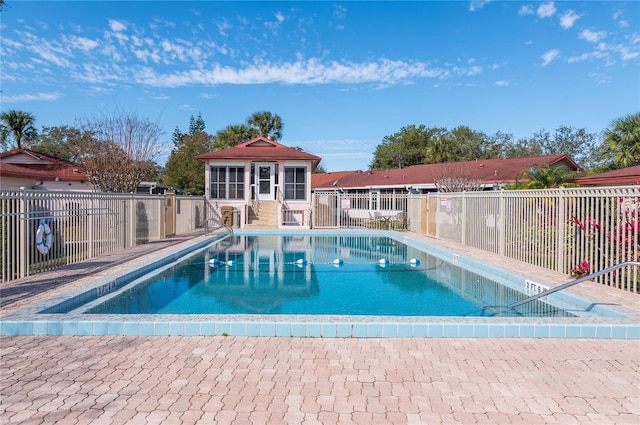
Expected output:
{"points": [[43, 230], [385, 211], [575, 231]]}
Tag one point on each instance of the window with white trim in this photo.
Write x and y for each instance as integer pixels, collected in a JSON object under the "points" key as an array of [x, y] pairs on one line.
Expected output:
{"points": [[295, 185], [226, 183]]}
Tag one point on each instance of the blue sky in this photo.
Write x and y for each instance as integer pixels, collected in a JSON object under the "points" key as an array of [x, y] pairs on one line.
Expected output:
{"points": [[341, 75]]}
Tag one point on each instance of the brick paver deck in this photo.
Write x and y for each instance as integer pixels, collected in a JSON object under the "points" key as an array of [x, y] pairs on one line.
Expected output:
{"points": [[243, 380]]}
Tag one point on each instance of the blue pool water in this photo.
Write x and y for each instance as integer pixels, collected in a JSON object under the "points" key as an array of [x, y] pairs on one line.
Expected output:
{"points": [[317, 275]]}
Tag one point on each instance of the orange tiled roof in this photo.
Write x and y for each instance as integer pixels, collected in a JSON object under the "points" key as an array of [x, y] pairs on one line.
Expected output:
{"points": [[41, 167], [623, 176], [260, 148], [488, 170]]}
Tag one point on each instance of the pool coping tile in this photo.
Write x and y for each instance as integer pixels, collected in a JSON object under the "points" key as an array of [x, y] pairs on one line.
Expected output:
{"points": [[28, 320]]}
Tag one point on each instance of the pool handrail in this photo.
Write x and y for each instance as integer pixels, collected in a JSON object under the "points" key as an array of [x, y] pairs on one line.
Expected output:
{"points": [[574, 282], [219, 225]]}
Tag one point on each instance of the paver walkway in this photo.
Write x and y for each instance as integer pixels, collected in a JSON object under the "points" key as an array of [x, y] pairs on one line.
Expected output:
{"points": [[242, 380]]}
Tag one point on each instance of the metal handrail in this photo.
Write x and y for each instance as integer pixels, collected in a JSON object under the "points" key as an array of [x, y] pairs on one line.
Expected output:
{"points": [[574, 282], [219, 226]]}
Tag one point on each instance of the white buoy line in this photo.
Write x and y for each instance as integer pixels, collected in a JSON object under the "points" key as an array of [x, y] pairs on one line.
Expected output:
{"points": [[338, 262]]}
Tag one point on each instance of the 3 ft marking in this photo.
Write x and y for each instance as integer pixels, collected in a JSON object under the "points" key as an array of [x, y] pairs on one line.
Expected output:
{"points": [[105, 289], [533, 288]]}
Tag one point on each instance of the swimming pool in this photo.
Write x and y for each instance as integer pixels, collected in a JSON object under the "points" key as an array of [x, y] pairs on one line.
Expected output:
{"points": [[66, 314], [318, 275]]}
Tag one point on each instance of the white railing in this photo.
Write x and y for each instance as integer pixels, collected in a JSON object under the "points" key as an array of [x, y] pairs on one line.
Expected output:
{"points": [[360, 210], [83, 225], [575, 231]]}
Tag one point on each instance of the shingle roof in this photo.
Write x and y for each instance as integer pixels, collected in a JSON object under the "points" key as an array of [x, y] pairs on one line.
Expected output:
{"points": [[42, 167], [623, 176], [260, 148], [488, 170], [320, 179]]}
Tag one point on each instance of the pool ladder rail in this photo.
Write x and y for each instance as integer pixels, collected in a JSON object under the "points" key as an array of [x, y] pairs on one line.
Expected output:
{"points": [[574, 282], [217, 225]]}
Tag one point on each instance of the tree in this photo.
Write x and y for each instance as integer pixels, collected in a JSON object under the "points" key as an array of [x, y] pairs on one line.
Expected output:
{"points": [[454, 178], [621, 145], [118, 150], [232, 135], [319, 169], [404, 148], [547, 177], [414, 145], [521, 148], [17, 125], [265, 124], [576, 143], [57, 142], [182, 170]]}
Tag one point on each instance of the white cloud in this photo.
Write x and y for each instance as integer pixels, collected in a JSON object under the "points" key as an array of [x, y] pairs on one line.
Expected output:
{"points": [[469, 72], [527, 9], [592, 36], [478, 4], [223, 27], [625, 52], [546, 10], [116, 26], [503, 83], [81, 43], [550, 56], [587, 56], [274, 25], [339, 12], [47, 97], [568, 19], [383, 72]]}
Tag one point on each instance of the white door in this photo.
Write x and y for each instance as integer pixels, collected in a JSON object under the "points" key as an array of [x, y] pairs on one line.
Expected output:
{"points": [[265, 175]]}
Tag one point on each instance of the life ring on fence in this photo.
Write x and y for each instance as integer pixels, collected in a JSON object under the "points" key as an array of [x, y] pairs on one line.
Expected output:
{"points": [[44, 237]]}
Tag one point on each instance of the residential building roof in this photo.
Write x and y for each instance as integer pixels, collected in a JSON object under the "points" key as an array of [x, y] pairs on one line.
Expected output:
{"points": [[260, 149], [623, 176], [321, 179], [489, 171], [20, 163]]}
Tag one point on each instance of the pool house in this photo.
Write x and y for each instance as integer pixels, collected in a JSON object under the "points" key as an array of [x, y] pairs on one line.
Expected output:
{"points": [[259, 184]]}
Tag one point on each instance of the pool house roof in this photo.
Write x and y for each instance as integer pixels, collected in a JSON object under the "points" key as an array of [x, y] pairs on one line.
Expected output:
{"points": [[260, 149], [621, 177]]}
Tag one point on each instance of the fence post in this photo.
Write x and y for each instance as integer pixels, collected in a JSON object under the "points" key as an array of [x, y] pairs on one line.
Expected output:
{"points": [[437, 214], [132, 222], [502, 233], [463, 226], [23, 232], [90, 234], [560, 226]]}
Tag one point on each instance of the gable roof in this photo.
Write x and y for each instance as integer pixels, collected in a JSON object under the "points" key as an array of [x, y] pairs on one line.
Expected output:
{"points": [[424, 176], [260, 148], [24, 163], [623, 176]]}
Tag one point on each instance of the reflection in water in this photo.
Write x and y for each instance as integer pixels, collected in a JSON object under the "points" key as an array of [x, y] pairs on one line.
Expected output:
{"points": [[316, 275]]}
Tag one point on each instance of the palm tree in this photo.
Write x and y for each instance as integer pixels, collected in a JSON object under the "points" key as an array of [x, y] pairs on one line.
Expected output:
{"points": [[622, 141], [19, 125], [266, 124], [548, 177], [232, 135]]}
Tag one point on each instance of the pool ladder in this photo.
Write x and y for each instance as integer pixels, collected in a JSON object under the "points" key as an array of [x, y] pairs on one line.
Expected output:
{"points": [[217, 225], [574, 282]]}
